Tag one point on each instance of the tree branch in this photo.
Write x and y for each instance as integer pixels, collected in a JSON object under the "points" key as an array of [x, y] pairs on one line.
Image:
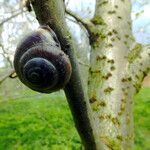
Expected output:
{"points": [[9, 73], [11, 17], [85, 22], [53, 15], [140, 66], [6, 55]]}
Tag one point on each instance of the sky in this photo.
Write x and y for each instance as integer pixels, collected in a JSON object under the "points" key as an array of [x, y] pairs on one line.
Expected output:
{"points": [[141, 24]]}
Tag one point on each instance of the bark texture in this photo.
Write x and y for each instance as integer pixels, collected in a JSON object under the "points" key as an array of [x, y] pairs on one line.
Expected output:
{"points": [[115, 73], [102, 109]]}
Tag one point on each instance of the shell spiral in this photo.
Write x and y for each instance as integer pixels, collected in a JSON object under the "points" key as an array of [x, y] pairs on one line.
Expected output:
{"points": [[40, 63]]}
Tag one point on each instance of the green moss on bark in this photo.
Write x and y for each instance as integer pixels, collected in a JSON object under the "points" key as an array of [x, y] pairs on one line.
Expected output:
{"points": [[134, 53], [97, 20], [112, 144]]}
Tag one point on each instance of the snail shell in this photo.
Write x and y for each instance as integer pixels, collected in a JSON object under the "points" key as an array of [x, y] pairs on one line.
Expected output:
{"points": [[40, 63]]}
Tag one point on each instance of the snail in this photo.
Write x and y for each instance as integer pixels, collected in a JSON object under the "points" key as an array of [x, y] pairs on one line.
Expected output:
{"points": [[40, 63]]}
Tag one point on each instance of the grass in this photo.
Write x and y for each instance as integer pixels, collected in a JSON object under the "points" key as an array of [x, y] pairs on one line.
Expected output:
{"points": [[44, 122], [142, 119], [41, 124]]}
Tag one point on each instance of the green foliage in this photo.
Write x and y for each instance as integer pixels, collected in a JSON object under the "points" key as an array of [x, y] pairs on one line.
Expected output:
{"points": [[40, 123], [44, 122], [142, 119]]}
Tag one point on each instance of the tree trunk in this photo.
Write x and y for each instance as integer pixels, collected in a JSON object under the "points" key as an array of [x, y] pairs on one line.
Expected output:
{"points": [[102, 110], [114, 75], [110, 84]]}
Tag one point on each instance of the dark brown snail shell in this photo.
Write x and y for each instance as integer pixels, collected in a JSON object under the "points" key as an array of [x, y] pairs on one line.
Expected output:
{"points": [[40, 63]]}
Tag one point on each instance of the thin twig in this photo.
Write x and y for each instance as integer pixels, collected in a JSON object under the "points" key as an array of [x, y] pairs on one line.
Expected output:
{"points": [[8, 74], [85, 22], [11, 17]]}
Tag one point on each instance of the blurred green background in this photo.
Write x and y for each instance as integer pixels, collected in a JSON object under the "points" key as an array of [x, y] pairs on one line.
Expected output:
{"points": [[34, 121]]}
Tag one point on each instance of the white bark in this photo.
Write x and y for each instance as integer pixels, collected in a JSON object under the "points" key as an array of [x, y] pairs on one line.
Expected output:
{"points": [[110, 88], [140, 66]]}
